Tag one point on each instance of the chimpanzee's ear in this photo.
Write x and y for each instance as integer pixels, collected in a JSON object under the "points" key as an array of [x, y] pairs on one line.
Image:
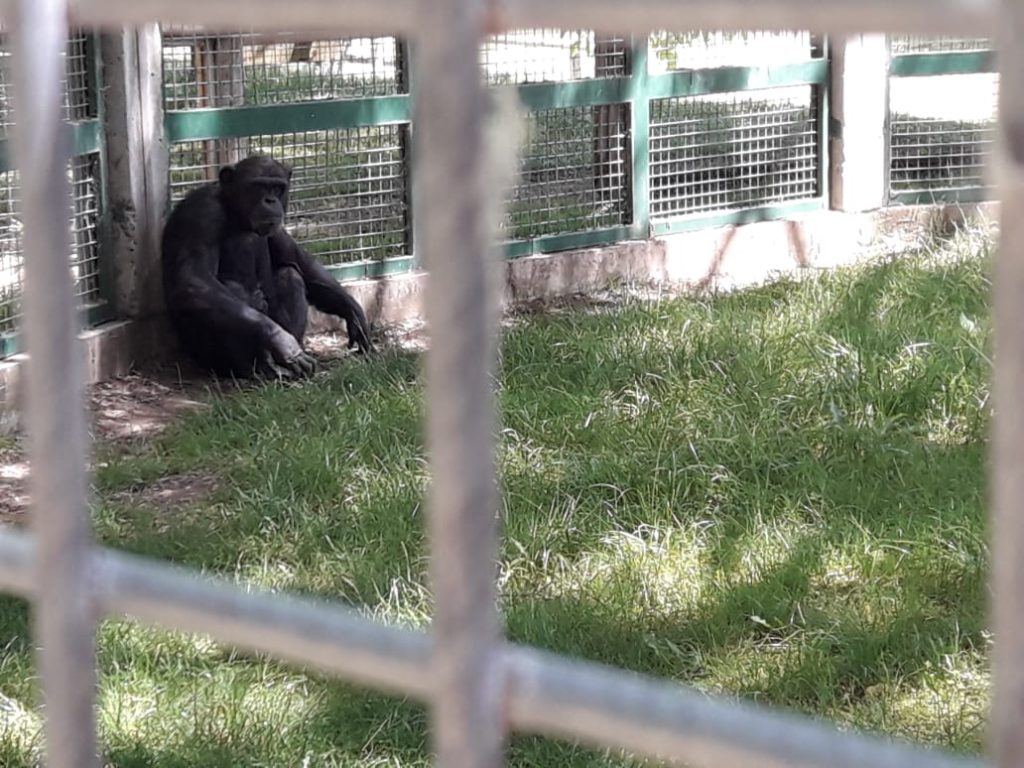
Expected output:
{"points": [[226, 175]]}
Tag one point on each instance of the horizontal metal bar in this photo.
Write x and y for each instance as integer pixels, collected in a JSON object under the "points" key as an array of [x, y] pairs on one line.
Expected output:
{"points": [[548, 693], [85, 138], [694, 82], [9, 344], [552, 243], [931, 196], [697, 82], [372, 268], [285, 118], [317, 17], [581, 93], [950, 63], [691, 222], [974, 18], [334, 638], [608, 707], [226, 122], [98, 313]]}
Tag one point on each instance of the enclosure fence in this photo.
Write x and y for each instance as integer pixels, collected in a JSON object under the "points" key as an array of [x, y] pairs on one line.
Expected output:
{"points": [[631, 136], [479, 687]]}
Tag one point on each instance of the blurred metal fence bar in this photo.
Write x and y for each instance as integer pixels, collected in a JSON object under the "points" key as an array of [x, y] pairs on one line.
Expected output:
{"points": [[1007, 442], [451, 163], [63, 616], [923, 17]]}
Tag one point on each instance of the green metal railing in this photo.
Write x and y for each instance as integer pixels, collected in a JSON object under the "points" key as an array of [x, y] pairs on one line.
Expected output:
{"points": [[942, 111], [628, 138], [587, 167]]}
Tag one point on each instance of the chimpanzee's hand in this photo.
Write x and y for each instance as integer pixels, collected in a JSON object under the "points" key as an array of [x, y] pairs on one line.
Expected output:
{"points": [[358, 334], [288, 353]]}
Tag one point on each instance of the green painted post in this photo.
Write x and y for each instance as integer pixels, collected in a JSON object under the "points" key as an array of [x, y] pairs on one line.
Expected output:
{"points": [[823, 93], [640, 109], [407, 73], [103, 224]]}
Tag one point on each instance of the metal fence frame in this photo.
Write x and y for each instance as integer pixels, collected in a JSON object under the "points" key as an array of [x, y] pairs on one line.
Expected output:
{"points": [[86, 137], [635, 90], [930, 64], [479, 687]]}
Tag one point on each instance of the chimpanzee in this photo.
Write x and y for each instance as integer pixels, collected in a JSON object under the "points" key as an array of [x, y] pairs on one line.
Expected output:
{"points": [[237, 286]]}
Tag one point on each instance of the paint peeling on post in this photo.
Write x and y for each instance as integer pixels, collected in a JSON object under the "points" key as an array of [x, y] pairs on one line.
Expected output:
{"points": [[63, 610]]}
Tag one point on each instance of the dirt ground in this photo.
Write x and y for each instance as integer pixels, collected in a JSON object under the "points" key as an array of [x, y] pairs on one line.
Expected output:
{"points": [[127, 413]]}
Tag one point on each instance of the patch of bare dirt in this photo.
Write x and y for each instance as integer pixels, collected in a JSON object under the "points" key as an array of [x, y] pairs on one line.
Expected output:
{"points": [[410, 336], [562, 304], [172, 492], [330, 348], [138, 407]]}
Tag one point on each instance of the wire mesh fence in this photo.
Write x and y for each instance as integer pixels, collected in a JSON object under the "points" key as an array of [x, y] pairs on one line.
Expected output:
{"points": [[224, 70], [941, 126], [350, 192], [548, 55], [574, 173], [11, 259], [703, 49], [85, 175], [349, 198], [80, 104], [722, 152], [901, 44]]}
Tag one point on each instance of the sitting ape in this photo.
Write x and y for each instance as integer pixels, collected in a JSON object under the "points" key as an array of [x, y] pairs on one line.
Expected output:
{"points": [[237, 285]]}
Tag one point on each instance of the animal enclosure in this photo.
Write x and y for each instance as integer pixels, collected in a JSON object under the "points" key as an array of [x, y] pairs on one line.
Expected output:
{"points": [[479, 686], [628, 138]]}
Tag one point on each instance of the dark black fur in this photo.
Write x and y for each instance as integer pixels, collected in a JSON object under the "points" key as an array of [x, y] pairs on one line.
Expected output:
{"points": [[237, 286]]}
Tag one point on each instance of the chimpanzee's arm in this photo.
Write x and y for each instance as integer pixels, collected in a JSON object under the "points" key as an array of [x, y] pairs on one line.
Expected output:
{"points": [[197, 291], [322, 290]]}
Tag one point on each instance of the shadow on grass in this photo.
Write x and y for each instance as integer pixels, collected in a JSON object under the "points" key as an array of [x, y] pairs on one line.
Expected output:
{"points": [[773, 493]]}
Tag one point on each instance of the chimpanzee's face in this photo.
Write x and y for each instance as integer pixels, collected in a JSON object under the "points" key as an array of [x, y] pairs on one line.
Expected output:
{"points": [[256, 193]]}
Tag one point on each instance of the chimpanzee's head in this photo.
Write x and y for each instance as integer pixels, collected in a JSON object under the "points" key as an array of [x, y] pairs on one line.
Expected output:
{"points": [[255, 192]]}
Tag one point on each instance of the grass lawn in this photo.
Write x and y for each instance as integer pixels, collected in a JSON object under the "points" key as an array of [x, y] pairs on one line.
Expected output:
{"points": [[777, 494]]}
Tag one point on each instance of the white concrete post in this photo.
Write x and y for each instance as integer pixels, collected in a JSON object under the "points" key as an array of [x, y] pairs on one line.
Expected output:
{"points": [[859, 130]]}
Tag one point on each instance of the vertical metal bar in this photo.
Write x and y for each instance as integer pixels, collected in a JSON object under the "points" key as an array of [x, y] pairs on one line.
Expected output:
{"points": [[640, 107], [821, 46], [63, 608], [461, 302], [406, 84], [1007, 726], [106, 278], [887, 193]]}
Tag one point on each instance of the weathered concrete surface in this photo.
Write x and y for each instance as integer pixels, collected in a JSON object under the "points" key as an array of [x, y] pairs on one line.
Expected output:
{"points": [[722, 258]]}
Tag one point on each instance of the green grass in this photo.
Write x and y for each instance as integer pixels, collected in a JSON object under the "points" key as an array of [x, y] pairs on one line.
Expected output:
{"points": [[777, 494]]}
